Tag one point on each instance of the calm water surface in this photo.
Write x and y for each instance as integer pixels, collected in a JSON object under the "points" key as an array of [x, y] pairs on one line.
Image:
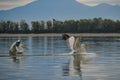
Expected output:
{"points": [[104, 66]]}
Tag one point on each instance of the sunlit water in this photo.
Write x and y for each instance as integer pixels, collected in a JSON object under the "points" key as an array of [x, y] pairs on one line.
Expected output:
{"points": [[104, 66]]}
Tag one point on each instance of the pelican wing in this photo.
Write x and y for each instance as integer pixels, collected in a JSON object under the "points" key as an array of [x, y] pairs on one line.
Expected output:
{"points": [[76, 45], [71, 41], [11, 47]]}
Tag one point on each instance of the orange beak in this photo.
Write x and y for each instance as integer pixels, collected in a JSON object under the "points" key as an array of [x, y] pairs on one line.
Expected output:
{"points": [[86, 46], [24, 47]]}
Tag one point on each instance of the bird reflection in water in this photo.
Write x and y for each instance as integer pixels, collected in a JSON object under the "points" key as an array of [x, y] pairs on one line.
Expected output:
{"points": [[73, 67], [76, 62]]}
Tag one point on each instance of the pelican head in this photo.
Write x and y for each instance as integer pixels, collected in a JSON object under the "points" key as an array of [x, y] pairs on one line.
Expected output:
{"points": [[20, 47], [83, 48], [18, 42]]}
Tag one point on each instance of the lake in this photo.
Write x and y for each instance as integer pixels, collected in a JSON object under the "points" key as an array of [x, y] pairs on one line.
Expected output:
{"points": [[105, 65]]}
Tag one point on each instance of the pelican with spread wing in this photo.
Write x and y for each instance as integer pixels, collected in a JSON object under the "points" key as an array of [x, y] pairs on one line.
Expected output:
{"points": [[72, 42], [17, 48]]}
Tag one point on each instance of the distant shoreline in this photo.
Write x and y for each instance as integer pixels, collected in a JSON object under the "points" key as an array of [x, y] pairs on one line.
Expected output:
{"points": [[60, 34]]}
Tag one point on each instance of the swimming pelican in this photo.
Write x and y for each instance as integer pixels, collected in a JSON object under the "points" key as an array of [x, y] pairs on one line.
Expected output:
{"points": [[17, 48]]}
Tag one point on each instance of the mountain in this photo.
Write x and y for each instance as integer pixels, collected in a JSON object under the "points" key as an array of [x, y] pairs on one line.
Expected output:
{"points": [[59, 9]]}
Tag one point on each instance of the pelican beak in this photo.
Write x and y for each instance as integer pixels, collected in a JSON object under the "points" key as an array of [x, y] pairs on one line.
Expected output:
{"points": [[24, 47], [86, 46]]}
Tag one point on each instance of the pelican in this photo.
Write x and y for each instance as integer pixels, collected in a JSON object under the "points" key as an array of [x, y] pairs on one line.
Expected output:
{"points": [[17, 48], [72, 42], [75, 45]]}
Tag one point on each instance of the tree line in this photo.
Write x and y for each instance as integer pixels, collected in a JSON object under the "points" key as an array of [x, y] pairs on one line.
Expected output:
{"points": [[95, 25]]}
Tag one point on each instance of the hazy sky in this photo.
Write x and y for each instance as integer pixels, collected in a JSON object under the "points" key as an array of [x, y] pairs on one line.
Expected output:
{"points": [[9, 4]]}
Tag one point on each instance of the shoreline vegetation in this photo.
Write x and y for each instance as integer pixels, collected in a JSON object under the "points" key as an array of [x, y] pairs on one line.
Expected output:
{"points": [[95, 25], [60, 34]]}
